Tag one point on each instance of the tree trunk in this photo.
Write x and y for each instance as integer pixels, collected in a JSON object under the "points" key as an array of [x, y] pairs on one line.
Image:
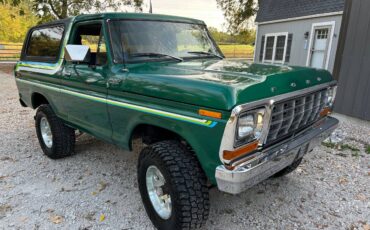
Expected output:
{"points": [[64, 13]]}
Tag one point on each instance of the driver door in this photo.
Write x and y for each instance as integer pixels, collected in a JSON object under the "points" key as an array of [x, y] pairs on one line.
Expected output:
{"points": [[85, 82]]}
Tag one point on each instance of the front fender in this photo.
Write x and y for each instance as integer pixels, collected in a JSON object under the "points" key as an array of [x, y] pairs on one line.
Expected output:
{"points": [[204, 139]]}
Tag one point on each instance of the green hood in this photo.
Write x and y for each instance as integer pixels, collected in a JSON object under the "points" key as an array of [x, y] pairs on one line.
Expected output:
{"points": [[219, 84]]}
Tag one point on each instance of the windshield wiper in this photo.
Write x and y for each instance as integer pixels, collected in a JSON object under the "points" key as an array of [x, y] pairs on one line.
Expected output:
{"points": [[155, 55], [206, 53]]}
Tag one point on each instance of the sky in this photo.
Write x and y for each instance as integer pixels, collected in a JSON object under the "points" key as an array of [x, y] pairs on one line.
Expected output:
{"points": [[205, 10]]}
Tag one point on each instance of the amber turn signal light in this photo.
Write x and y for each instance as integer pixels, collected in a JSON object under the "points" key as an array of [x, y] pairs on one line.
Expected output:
{"points": [[326, 111], [208, 113], [229, 155]]}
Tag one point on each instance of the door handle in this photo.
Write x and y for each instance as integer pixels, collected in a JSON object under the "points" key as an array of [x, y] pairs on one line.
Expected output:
{"points": [[91, 80], [114, 81], [67, 74]]}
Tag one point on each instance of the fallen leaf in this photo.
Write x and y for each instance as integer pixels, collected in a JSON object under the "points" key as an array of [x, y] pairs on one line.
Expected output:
{"points": [[8, 186], [56, 219], [360, 197], [5, 208], [6, 159], [343, 180], [102, 218], [102, 185], [3, 177], [23, 219]]}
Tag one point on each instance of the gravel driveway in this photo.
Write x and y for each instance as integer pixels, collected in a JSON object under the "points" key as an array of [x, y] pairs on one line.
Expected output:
{"points": [[97, 189]]}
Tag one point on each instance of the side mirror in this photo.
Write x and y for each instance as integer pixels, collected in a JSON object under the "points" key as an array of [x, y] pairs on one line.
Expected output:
{"points": [[77, 53]]}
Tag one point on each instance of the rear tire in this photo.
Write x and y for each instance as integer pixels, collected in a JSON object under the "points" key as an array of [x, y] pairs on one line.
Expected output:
{"points": [[56, 139], [184, 185], [288, 169]]}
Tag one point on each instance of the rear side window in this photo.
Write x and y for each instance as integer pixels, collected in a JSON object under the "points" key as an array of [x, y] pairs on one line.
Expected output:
{"points": [[44, 43]]}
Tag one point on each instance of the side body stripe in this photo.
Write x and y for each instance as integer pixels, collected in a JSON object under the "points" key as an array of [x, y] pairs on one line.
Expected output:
{"points": [[202, 122]]}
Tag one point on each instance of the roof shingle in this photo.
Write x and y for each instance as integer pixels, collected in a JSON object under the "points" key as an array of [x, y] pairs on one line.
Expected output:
{"points": [[270, 10]]}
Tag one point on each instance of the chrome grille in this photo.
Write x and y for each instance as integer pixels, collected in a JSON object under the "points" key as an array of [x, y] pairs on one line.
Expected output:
{"points": [[294, 114]]}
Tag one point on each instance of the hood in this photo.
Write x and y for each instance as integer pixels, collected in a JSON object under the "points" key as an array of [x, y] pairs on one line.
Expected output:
{"points": [[219, 84]]}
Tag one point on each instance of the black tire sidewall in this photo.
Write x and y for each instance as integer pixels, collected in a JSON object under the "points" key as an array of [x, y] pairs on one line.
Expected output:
{"points": [[155, 218], [289, 169], [48, 151]]}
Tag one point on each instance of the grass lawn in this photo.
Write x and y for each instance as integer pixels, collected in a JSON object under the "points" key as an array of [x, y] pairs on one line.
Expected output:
{"points": [[237, 51]]}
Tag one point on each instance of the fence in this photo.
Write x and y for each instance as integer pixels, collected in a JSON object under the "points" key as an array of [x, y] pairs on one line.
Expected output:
{"points": [[237, 51], [10, 51]]}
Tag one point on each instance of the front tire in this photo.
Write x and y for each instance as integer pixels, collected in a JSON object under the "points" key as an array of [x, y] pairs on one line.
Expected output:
{"points": [[56, 139], [173, 186], [288, 169]]}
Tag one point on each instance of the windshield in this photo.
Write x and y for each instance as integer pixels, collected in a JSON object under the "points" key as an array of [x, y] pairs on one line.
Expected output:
{"points": [[136, 41]]}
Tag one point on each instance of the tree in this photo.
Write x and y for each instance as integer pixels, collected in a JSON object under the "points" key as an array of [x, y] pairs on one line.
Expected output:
{"points": [[245, 36], [15, 20], [53, 9], [10, 2], [237, 12], [219, 36]]}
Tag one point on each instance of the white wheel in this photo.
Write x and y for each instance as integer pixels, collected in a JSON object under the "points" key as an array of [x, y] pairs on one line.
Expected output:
{"points": [[161, 201], [46, 134], [56, 139]]}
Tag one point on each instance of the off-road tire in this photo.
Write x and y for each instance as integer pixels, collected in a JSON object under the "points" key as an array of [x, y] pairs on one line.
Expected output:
{"points": [[288, 169], [187, 185], [63, 136]]}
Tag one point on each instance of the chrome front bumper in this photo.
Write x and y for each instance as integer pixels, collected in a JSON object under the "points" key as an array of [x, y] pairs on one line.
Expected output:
{"points": [[272, 160]]}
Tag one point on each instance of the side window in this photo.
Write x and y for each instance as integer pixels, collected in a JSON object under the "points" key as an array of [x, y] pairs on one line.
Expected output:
{"points": [[269, 50], [91, 35], [280, 48], [44, 43]]}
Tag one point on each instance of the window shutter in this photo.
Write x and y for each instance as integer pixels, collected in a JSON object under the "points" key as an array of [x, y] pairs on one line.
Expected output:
{"points": [[262, 46], [289, 47]]}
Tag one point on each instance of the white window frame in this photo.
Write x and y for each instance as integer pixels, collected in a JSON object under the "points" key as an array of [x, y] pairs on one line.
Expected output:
{"points": [[274, 48]]}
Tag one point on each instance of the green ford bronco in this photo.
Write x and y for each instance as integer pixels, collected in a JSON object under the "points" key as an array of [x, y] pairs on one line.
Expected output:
{"points": [[204, 120]]}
